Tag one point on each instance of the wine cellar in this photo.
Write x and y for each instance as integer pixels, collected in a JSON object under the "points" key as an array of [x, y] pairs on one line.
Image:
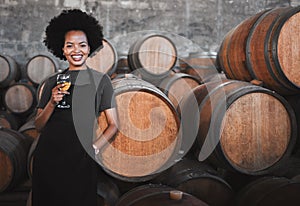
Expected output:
{"points": [[211, 128]]}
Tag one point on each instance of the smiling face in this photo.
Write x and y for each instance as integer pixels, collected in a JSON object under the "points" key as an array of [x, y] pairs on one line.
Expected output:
{"points": [[76, 49]]}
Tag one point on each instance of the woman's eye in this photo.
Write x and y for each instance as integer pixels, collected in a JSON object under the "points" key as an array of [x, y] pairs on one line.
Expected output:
{"points": [[69, 46]]}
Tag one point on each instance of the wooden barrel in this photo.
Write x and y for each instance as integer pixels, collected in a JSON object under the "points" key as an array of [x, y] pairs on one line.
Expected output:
{"points": [[297, 177], [264, 47], [20, 98], [152, 56], [122, 67], [199, 60], [13, 153], [232, 53], [293, 168], [9, 120], [1, 99], [148, 195], [148, 132], [9, 72], [199, 180], [39, 90], [105, 60], [39, 67], [107, 190], [294, 101], [14, 198], [28, 129], [176, 85], [268, 191], [204, 75], [41, 85], [240, 126], [29, 161], [213, 77], [200, 63]]}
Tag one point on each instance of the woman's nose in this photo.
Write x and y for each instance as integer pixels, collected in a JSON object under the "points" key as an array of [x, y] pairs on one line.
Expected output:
{"points": [[76, 48]]}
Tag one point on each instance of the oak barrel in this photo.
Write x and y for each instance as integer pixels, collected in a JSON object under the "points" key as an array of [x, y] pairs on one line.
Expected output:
{"points": [[20, 98], [152, 56], [294, 101], [105, 60], [176, 85], [1, 98], [148, 132], [41, 85], [265, 47], [241, 126], [9, 71], [232, 52], [107, 190], [200, 60], [270, 191], [297, 177], [122, 68], [201, 65], [13, 153], [28, 128], [152, 194], [9, 120], [30, 156], [39, 67], [199, 180]]}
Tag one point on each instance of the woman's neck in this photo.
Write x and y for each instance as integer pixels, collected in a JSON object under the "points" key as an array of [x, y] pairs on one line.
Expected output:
{"points": [[82, 67]]}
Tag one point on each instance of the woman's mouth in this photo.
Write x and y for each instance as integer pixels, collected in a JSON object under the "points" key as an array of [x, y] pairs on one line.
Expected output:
{"points": [[77, 57]]}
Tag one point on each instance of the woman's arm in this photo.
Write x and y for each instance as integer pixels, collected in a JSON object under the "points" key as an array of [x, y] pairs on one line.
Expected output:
{"points": [[43, 115], [110, 131]]}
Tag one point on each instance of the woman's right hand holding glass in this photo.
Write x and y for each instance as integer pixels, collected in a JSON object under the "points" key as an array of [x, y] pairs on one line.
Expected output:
{"points": [[58, 94]]}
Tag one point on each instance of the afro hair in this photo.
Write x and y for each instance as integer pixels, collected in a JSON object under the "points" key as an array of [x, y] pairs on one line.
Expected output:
{"points": [[68, 20]]}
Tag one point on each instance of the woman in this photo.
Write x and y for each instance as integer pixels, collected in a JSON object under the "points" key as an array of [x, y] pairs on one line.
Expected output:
{"points": [[63, 171]]}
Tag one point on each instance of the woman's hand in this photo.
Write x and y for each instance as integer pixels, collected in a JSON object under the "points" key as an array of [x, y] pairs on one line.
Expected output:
{"points": [[57, 94], [96, 149], [109, 132]]}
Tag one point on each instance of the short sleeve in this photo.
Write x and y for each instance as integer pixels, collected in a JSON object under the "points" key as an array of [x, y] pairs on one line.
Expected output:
{"points": [[105, 95], [46, 93]]}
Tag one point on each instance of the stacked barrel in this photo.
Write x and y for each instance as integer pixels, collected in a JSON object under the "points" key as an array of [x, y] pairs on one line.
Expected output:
{"points": [[244, 130], [17, 132], [262, 50], [214, 129]]}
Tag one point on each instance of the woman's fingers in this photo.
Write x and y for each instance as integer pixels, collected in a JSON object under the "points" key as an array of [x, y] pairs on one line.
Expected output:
{"points": [[59, 89], [57, 93]]}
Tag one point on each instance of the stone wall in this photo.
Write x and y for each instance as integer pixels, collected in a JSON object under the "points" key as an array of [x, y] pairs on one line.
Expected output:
{"points": [[194, 25]]}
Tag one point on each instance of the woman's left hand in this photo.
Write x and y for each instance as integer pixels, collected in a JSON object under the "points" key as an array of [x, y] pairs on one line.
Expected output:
{"points": [[96, 149]]}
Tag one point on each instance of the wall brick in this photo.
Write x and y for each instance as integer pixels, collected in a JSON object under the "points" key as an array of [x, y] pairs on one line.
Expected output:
{"points": [[72, 3], [295, 2], [11, 2], [193, 25]]}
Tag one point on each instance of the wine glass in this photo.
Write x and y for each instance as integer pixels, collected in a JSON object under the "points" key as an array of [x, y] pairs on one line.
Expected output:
{"points": [[66, 80]]}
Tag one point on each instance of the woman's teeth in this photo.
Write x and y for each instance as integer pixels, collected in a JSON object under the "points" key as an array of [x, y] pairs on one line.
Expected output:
{"points": [[77, 57]]}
